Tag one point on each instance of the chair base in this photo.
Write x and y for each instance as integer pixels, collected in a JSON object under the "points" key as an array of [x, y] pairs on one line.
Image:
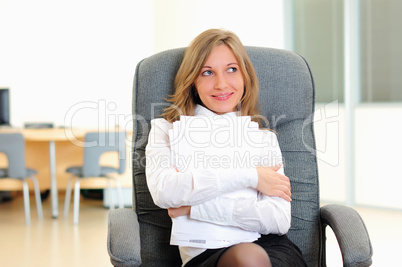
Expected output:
{"points": [[38, 199], [77, 189]]}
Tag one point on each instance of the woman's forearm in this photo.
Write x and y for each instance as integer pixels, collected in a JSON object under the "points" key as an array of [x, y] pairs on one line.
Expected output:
{"points": [[171, 189], [266, 215]]}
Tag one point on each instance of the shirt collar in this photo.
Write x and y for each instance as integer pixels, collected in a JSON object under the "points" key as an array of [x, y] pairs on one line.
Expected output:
{"points": [[203, 111]]}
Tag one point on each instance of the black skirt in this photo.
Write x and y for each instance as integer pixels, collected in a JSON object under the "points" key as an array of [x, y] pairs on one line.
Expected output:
{"points": [[282, 253]]}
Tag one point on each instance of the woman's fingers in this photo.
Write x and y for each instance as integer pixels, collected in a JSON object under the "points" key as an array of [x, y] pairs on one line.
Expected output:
{"points": [[276, 167], [271, 183], [181, 211], [285, 195]]}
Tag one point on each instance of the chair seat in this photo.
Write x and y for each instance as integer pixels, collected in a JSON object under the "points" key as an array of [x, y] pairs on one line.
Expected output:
{"points": [[13, 146], [30, 172], [104, 170]]}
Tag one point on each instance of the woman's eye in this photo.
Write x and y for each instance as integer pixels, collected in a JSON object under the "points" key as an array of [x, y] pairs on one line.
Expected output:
{"points": [[233, 69], [207, 73]]}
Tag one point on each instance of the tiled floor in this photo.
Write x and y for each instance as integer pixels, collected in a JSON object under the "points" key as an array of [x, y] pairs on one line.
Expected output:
{"points": [[58, 243], [53, 242]]}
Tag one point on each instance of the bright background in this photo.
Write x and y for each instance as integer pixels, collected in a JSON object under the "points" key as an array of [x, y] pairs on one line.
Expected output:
{"points": [[72, 63]]}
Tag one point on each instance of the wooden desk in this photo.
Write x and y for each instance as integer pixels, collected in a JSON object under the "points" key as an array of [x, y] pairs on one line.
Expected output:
{"points": [[52, 151]]}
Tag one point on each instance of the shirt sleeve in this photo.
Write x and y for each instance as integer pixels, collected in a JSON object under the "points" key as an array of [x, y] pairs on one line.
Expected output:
{"points": [[265, 215], [170, 189]]}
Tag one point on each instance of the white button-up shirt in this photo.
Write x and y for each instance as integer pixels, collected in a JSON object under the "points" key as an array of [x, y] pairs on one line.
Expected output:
{"points": [[203, 189]]}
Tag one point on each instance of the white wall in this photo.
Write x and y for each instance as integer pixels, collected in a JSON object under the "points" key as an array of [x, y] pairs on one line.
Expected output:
{"points": [[256, 22], [73, 59], [378, 155], [72, 63], [329, 127], [378, 144]]}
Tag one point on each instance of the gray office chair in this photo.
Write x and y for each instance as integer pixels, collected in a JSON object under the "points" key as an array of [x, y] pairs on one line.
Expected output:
{"points": [[96, 144], [13, 145], [287, 100]]}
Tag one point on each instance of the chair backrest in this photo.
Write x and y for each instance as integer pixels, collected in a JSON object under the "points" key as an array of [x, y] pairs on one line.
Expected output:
{"points": [[97, 143], [13, 145], [287, 101]]}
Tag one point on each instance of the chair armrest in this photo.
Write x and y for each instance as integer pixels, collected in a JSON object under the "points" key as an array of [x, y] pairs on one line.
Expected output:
{"points": [[123, 241], [350, 232]]}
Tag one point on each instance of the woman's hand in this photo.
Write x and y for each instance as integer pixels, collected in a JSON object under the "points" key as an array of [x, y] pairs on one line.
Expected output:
{"points": [[273, 184], [181, 211]]}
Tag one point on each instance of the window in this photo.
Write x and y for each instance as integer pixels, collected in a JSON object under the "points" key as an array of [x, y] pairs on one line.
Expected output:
{"points": [[317, 27], [317, 31], [381, 53]]}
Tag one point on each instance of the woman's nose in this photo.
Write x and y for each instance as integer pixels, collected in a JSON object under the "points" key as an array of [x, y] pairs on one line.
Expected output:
{"points": [[220, 82]]}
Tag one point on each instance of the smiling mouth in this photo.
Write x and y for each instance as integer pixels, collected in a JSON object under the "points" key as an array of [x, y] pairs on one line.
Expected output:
{"points": [[222, 96]]}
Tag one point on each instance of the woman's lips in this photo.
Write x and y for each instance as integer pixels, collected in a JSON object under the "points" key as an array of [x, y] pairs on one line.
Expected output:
{"points": [[222, 96]]}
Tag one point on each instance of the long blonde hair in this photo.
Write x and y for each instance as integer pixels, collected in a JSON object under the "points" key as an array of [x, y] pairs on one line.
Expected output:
{"points": [[185, 98]]}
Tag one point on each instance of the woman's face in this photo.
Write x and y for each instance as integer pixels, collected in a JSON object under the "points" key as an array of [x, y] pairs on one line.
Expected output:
{"points": [[220, 85]]}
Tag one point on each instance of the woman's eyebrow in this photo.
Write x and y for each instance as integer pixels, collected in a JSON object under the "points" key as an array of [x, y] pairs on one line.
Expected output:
{"points": [[209, 67]]}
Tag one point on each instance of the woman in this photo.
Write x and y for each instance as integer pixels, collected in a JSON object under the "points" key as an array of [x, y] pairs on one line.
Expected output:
{"points": [[215, 78]]}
